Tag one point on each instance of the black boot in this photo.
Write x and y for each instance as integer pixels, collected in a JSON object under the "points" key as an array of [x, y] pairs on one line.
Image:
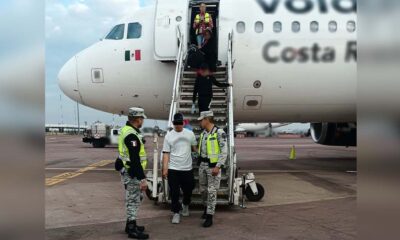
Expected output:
{"points": [[204, 213], [133, 231], [139, 228], [209, 221]]}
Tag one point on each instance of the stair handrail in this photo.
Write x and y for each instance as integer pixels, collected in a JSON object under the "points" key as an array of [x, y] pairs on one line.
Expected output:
{"points": [[231, 149], [177, 78]]}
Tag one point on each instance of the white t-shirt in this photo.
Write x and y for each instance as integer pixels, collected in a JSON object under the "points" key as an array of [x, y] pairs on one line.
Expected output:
{"points": [[179, 145]]}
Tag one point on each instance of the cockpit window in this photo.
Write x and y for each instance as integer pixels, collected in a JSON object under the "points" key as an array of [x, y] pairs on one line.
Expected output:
{"points": [[117, 33], [134, 30]]}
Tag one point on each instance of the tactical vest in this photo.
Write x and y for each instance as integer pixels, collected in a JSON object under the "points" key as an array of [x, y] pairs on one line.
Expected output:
{"points": [[207, 18], [123, 150], [213, 149]]}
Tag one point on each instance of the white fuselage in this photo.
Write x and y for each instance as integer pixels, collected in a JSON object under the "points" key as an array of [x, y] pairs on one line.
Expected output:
{"points": [[305, 76], [257, 127]]}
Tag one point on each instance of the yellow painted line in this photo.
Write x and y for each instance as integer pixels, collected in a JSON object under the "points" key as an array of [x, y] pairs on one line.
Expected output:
{"points": [[68, 175]]}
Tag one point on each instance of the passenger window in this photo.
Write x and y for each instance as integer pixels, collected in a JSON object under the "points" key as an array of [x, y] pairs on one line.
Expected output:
{"points": [[332, 26], [240, 27], [134, 30], [295, 26], [117, 33], [351, 26], [314, 26], [277, 27], [259, 27]]}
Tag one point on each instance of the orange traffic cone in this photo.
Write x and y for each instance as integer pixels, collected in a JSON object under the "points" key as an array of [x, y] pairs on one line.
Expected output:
{"points": [[292, 155]]}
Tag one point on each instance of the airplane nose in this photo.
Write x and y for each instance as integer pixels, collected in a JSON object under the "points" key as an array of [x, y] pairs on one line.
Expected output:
{"points": [[68, 80]]}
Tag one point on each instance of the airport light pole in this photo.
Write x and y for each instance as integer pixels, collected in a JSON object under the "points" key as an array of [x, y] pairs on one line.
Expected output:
{"points": [[61, 111], [79, 124]]}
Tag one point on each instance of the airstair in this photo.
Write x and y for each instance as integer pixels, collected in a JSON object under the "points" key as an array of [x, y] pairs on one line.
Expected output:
{"points": [[232, 188]]}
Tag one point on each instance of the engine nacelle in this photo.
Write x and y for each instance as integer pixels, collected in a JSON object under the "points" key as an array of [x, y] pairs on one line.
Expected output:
{"points": [[334, 134]]}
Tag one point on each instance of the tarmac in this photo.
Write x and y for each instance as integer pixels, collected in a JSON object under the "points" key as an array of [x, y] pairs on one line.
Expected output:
{"points": [[311, 197]]}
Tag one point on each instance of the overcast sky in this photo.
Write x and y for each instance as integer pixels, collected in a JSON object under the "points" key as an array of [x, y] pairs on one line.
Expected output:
{"points": [[71, 26]]}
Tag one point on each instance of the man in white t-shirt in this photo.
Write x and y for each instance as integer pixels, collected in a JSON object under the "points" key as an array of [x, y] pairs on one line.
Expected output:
{"points": [[179, 144]]}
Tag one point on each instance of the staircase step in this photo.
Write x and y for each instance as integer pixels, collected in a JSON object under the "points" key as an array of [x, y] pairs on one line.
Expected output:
{"points": [[219, 68], [189, 105], [223, 178], [214, 104], [221, 191], [184, 85], [215, 98], [221, 76], [194, 119], [198, 201], [215, 73], [217, 94], [189, 89], [215, 110], [193, 79], [213, 101], [188, 114]]}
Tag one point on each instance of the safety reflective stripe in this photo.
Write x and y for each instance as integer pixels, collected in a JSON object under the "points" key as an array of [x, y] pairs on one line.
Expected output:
{"points": [[213, 149], [200, 143], [206, 20], [123, 150]]}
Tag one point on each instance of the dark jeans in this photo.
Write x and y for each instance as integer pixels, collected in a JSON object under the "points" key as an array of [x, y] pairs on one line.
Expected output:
{"points": [[178, 180], [204, 103]]}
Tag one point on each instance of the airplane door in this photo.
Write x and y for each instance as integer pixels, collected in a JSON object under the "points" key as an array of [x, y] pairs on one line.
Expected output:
{"points": [[169, 14]]}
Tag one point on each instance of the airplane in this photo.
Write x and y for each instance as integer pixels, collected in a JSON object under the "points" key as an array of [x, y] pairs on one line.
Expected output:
{"points": [[294, 61], [251, 129], [302, 129]]}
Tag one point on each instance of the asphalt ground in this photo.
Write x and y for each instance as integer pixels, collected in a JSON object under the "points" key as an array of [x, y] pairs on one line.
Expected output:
{"points": [[311, 197]]}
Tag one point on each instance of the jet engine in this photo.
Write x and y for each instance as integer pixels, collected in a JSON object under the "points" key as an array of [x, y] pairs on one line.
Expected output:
{"points": [[334, 134]]}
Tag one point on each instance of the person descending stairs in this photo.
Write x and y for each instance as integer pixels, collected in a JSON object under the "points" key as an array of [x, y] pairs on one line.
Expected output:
{"points": [[219, 107]]}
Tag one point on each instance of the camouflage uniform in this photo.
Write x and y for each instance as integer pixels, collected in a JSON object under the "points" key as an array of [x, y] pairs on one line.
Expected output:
{"points": [[130, 147], [131, 162], [132, 196], [208, 183]]}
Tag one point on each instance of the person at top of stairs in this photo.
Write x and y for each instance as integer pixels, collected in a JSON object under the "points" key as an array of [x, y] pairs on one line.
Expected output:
{"points": [[213, 152], [202, 21], [203, 88]]}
